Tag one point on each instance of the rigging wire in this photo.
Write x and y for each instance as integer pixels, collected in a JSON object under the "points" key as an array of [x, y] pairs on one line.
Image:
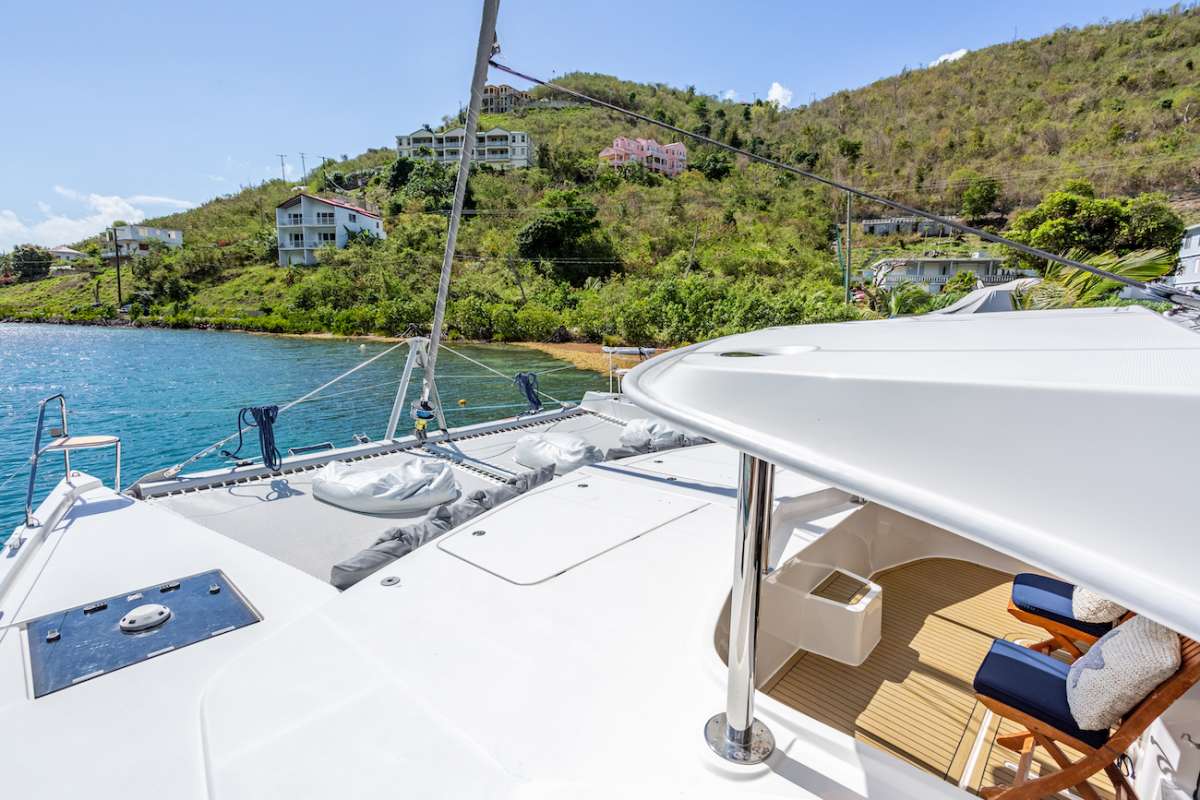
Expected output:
{"points": [[171, 472], [1159, 290], [498, 372]]}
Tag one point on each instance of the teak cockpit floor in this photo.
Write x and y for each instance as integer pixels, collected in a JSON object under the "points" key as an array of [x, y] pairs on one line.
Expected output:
{"points": [[912, 697]]}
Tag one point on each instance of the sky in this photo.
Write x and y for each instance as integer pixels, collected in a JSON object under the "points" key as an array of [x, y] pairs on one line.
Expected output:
{"points": [[127, 111]]}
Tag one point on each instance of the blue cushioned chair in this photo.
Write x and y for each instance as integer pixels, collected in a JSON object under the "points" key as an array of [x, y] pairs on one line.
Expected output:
{"points": [[1046, 603], [1034, 683], [1030, 688]]}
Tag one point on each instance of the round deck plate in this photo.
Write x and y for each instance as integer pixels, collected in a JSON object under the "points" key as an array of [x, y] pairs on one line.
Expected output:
{"points": [[760, 747]]}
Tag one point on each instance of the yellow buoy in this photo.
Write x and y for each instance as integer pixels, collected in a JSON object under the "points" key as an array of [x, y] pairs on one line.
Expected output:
{"points": [[462, 402]]}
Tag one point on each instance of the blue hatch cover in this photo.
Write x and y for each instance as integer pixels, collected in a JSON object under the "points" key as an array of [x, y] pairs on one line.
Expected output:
{"points": [[69, 647]]}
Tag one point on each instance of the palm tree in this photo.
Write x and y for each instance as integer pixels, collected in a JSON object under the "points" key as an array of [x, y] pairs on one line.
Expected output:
{"points": [[1066, 287]]}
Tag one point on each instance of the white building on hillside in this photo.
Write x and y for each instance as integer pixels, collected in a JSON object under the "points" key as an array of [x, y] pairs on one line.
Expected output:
{"points": [[934, 272], [502, 98], [134, 239], [1188, 276], [306, 222], [498, 147], [64, 253]]}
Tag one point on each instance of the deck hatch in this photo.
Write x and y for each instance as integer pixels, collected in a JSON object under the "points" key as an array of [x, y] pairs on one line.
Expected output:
{"points": [[69, 647]]}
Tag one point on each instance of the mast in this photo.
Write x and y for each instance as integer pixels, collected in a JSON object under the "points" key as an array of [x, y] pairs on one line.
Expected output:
{"points": [[483, 52]]}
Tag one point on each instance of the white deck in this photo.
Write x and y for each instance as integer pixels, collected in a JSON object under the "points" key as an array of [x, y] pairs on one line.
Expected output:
{"points": [[85, 741], [594, 680]]}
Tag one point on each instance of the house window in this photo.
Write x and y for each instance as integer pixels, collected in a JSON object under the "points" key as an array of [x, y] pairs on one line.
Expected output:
{"points": [[297, 240], [326, 237], [324, 217], [294, 219], [354, 217]]}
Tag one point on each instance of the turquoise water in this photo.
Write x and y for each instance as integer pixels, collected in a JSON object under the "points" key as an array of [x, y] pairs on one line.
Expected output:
{"points": [[169, 394]]}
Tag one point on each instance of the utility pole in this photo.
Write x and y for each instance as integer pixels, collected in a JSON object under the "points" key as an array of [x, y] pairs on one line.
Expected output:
{"points": [[282, 168], [117, 254], [303, 167], [849, 246]]}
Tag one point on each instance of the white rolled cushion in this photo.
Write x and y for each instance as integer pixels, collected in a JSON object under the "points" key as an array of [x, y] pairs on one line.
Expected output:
{"points": [[642, 434], [1087, 606], [566, 451], [413, 485], [1120, 669]]}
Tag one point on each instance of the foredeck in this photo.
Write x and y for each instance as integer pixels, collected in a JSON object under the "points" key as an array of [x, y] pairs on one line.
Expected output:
{"points": [[280, 516], [913, 697]]}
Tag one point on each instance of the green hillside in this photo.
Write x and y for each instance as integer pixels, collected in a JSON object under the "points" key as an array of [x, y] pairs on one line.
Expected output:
{"points": [[573, 249]]}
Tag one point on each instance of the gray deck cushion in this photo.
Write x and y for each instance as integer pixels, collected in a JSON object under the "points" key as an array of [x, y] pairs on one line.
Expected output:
{"points": [[397, 542]]}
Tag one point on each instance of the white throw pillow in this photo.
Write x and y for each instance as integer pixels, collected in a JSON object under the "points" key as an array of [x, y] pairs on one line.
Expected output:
{"points": [[1120, 669], [411, 485], [642, 434], [566, 451], [1087, 606]]}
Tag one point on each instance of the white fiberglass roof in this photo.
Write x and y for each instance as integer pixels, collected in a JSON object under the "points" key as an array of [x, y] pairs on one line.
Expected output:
{"points": [[1053, 436]]}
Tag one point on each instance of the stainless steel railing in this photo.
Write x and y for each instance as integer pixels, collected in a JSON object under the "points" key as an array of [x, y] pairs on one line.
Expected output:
{"points": [[63, 443]]}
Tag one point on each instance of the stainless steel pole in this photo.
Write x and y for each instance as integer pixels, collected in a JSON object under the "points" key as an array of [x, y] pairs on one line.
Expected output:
{"points": [[483, 52], [736, 735], [415, 346]]}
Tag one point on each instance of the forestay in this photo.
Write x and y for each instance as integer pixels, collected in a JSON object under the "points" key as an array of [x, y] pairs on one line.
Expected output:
{"points": [[1051, 436]]}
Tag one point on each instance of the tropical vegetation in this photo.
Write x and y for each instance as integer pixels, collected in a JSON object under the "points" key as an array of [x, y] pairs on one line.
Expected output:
{"points": [[1081, 140]]}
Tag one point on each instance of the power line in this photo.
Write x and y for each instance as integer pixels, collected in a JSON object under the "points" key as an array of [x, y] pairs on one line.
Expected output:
{"points": [[907, 209]]}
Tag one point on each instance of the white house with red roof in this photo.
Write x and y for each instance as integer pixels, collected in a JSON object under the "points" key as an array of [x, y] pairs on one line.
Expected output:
{"points": [[305, 223]]}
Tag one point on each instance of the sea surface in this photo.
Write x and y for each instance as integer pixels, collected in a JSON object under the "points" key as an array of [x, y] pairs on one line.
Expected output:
{"points": [[169, 394]]}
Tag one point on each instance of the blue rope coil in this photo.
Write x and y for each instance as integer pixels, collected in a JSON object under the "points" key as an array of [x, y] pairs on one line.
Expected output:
{"points": [[263, 418]]}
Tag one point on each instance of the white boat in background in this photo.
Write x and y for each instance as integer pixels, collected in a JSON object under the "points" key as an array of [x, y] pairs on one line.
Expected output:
{"points": [[585, 633]]}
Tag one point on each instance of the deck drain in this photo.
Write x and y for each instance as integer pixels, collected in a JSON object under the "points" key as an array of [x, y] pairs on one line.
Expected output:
{"points": [[390, 580], [478, 533]]}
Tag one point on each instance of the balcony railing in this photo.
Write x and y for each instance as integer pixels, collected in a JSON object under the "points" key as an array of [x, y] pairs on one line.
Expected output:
{"points": [[995, 279], [298, 221], [310, 244]]}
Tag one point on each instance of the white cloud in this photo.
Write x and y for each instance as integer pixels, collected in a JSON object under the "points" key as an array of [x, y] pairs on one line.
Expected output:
{"points": [[159, 200], [729, 94], [98, 212], [779, 94], [946, 58]]}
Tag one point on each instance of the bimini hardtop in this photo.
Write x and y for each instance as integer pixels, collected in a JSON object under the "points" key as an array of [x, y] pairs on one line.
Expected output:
{"points": [[1052, 436]]}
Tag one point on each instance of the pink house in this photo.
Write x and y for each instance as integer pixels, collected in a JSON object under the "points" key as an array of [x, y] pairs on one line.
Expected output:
{"points": [[669, 159]]}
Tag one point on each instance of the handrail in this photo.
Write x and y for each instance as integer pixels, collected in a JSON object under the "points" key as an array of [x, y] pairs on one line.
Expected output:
{"points": [[66, 444], [30, 522]]}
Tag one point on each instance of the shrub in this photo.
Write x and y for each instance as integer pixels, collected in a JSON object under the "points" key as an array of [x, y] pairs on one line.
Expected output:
{"points": [[505, 327], [537, 323], [470, 318]]}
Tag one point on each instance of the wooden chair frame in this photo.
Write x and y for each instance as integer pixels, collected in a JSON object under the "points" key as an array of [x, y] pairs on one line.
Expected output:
{"points": [[1062, 636], [1075, 774]]}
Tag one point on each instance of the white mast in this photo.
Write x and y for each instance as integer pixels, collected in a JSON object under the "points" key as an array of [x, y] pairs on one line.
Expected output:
{"points": [[483, 52]]}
